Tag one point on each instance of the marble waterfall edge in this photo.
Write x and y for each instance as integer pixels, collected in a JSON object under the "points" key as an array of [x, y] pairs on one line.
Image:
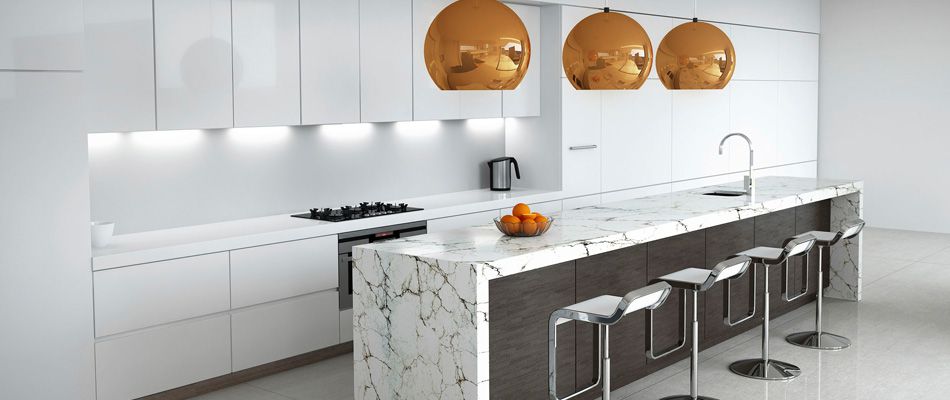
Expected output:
{"points": [[421, 303]]}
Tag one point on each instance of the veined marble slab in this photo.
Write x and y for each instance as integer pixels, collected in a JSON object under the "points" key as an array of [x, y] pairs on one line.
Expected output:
{"points": [[421, 303]]}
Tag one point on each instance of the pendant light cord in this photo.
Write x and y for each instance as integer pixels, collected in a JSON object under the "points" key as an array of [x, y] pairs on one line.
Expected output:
{"points": [[695, 7]]}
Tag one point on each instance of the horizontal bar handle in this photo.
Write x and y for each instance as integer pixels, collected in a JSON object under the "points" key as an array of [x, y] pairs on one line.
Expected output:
{"points": [[585, 147]]}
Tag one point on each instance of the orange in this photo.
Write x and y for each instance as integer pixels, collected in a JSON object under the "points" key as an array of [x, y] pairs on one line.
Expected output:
{"points": [[542, 222], [511, 219], [513, 228], [529, 227], [520, 209], [529, 216]]}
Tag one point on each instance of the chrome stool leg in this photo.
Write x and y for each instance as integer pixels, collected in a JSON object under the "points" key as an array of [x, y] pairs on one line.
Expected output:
{"points": [[694, 360], [818, 339], [765, 368]]}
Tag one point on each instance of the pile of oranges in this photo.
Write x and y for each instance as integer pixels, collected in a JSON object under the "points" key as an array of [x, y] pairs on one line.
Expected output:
{"points": [[523, 221]]}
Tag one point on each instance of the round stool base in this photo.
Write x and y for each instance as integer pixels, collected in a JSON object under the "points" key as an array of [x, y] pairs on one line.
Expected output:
{"points": [[829, 341], [688, 397], [770, 371]]}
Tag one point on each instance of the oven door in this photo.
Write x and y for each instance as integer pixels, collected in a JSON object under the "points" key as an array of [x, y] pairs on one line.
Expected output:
{"points": [[346, 280]]}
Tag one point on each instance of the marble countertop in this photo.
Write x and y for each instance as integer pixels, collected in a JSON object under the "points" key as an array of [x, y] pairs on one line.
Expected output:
{"points": [[597, 229], [145, 247]]}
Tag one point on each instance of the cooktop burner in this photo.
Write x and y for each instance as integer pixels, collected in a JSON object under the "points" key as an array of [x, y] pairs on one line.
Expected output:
{"points": [[363, 210]]}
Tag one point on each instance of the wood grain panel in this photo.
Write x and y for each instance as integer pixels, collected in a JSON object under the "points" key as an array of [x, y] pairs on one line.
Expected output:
{"points": [[519, 310], [612, 273]]}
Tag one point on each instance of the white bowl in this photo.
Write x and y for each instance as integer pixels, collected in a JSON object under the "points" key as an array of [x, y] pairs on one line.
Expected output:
{"points": [[102, 233]]}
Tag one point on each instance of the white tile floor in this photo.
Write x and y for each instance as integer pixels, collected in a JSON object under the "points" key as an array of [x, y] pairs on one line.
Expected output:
{"points": [[901, 335]]}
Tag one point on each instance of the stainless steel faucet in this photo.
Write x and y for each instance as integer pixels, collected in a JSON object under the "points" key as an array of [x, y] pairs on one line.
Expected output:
{"points": [[749, 179]]}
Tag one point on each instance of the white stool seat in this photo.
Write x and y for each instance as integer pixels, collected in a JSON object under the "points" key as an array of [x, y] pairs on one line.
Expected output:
{"points": [[600, 306]]}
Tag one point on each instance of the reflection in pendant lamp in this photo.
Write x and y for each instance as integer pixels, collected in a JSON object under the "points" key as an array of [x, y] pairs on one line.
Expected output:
{"points": [[607, 51], [695, 55], [477, 45]]}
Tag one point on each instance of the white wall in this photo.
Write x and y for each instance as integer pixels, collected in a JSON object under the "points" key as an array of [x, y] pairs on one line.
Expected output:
{"points": [[885, 94], [46, 339], [155, 180]]}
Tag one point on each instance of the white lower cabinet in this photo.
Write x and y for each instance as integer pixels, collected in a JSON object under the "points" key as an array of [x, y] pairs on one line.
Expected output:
{"points": [[163, 358], [346, 325], [461, 221], [283, 270], [275, 331]]}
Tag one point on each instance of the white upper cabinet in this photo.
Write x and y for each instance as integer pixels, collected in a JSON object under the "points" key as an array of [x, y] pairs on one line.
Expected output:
{"points": [[672, 8], [329, 60], [637, 134], [754, 111], [193, 64], [797, 121], [756, 53], [700, 121], [266, 62], [798, 56], [41, 34], [385, 60], [525, 101], [581, 131], [429, 102], [119, 73], [798, 15]]}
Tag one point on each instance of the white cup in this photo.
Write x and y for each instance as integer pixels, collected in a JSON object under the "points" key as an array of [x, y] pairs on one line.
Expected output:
{"points": [[102, 233]]}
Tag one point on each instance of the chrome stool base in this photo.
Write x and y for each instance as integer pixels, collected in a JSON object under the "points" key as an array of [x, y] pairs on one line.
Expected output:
{"points": [[688, 397], [810, 340], [769, 370]]}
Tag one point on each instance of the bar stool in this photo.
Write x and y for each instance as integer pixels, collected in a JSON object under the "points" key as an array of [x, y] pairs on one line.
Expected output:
{"points": [[766, 368], [819, 339], [697, 280], [602, 311]]}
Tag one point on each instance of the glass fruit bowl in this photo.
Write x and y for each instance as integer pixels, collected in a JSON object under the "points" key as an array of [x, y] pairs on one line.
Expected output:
{"points": [[524, 229]]}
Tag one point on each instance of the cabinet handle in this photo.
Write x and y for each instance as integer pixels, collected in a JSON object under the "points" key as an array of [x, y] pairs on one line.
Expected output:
{"points": [[587, 147]]}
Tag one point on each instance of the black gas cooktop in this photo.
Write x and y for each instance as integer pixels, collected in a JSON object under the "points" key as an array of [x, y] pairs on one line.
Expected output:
{"points": [[363, 210]]}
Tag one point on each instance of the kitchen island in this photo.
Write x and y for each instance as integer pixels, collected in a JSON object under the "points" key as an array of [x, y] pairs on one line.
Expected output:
{"points": [[462, 314]]}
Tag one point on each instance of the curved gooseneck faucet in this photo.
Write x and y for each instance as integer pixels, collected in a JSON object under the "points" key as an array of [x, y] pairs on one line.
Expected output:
{"points": [[750, 179]]}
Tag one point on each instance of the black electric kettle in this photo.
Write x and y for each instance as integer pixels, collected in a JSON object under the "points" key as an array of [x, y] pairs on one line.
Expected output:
{"points": [[499, 172]]}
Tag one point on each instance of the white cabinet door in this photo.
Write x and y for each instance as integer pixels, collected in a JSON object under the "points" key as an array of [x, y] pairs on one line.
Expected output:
{"points": [[276, 331], [461, 221], [163, 358], [798, 56], [193, 64], [757, 50], [429, 102], [581, 134], [798, 15], [700, 121], [637, 134], [525, 101], [119, 73], [266, 62], [278, 271], [672, 8], [754, 111], [346, 325], [41, 34], [330, 76], [385, 60], [797, 122], [151, 294]]}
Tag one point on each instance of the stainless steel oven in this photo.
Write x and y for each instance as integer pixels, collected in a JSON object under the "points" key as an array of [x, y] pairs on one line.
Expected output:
{"points": [[350, 239]]}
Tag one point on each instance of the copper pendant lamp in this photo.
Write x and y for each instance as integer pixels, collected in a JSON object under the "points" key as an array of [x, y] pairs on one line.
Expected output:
{"points": [[695, 55], [607, 51], [477, 45]]}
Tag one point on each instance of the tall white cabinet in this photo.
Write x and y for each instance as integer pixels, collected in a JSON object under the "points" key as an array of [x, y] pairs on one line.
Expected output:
{"points": [[193, 64], [266, 62], [329, 69], [119, 73], [385, 60]]}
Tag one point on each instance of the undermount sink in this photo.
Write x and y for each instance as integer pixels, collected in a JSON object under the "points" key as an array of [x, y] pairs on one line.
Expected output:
{"points": [[725, 193]]}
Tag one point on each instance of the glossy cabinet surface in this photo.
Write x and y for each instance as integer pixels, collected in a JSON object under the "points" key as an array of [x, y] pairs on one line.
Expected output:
{"points": [[797, 134], [278, 271], [41, 34], [700, 120], [461, 221], [581, 130], [754, 110], [193, 64], [637, 136], [266, 62], [329, 69], [119, 70], [385, 60], [284, 329], [429, 102], [672, 8], [525, 101], [163, 358], [798, 15], [798, 56], [758, 51], [151, 294]]}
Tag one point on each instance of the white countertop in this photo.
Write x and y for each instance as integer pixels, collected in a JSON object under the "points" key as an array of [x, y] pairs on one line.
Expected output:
{"points": [[166, 244]]}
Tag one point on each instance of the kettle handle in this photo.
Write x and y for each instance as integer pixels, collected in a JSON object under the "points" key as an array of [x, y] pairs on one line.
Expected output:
{"points": [[517, 170]]}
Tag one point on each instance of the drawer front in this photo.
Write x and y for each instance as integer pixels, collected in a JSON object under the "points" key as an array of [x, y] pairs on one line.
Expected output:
{"points": [[346, 325], [279, 330], [164, 358], [151, 294], [279, 271]]}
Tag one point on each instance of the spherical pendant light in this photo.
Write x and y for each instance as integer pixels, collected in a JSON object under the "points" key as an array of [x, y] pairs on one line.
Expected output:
{"points": [[695, 55], [607, 51], [477, 45]]}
